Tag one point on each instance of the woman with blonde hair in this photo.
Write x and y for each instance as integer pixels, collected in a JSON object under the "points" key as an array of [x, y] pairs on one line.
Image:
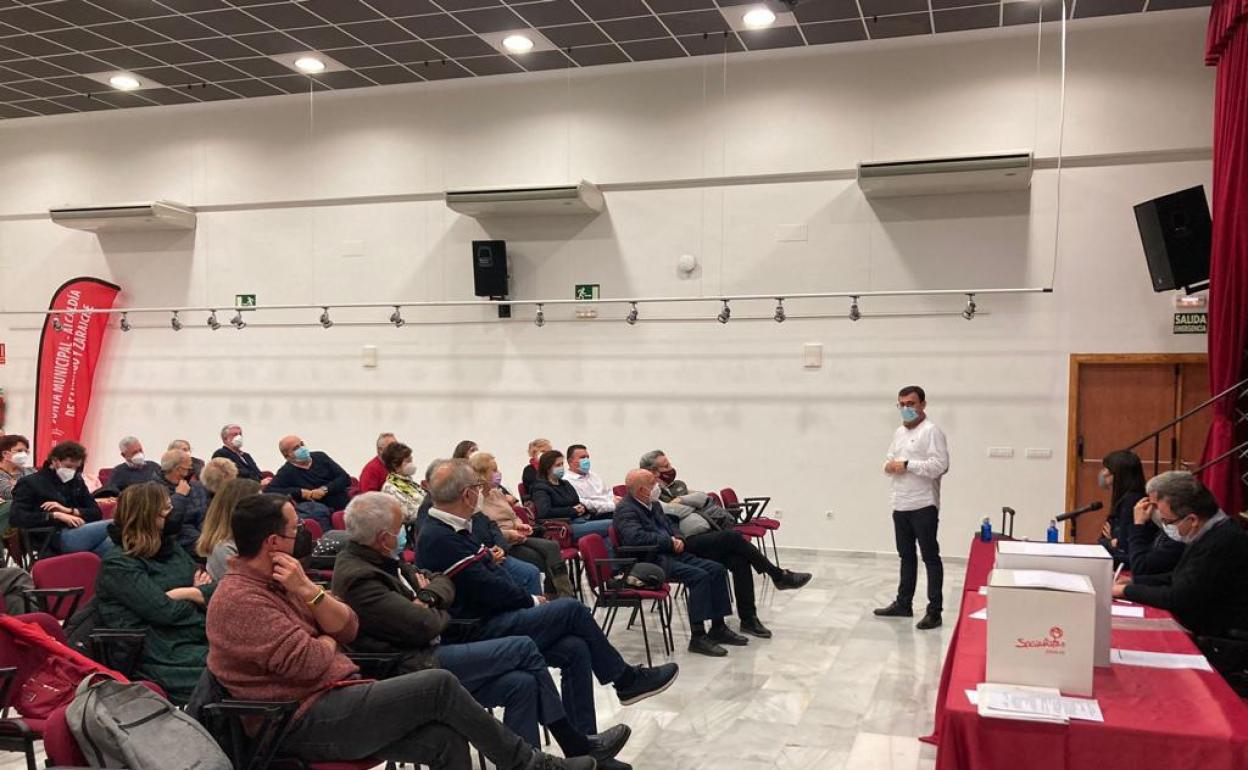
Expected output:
{"points": [[216, 541], [149, 582], [528, 476], [543, 554], [216, 474]]}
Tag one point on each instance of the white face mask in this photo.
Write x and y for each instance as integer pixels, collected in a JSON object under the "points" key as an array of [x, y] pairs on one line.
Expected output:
{"points": [[237, 441], [654, 494], [137, 459], [408, 470], [20, 459], [66, 475]]}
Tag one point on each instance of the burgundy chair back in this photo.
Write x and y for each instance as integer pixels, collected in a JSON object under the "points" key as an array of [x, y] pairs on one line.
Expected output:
{"points": [[593, 548], [524, 514], [70, 570], [614, 536], [313, 528], [107, 507], [619, 490], [716, 498], [354, 488], [524, 493], [104, 475], [340, 519], [729, 496]]}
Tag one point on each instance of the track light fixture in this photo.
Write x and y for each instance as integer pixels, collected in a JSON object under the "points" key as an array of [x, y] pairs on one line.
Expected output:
{"points": [[725, 314], [396, 318], [125, 323], [175, 323], [780, 314], [325, 319], [213, 323], [540, 318], [969, 311], [854, 312], [632, 315], [56, 323], [237, 321]]}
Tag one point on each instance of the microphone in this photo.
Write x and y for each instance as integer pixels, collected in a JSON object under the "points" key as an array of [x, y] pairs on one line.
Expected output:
{"points": [[1098, 505]]}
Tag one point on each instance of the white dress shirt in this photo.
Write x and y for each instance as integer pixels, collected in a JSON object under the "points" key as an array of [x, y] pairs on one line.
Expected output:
{"points": [[594, 494], [926, 453]]}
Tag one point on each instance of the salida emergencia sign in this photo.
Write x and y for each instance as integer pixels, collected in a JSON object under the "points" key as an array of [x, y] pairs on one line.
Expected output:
{"points": [[1191, 323]]}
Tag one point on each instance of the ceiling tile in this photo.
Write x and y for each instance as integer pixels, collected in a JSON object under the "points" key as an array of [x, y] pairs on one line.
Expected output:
{"points": [[1165, 5], [978, 17], [1088, 8], [613, 9], [545, 60], [834, 32], [437, 25], [285, 16], [464, 5], [374, 32], [899, 26], [550, 13], [221, 48], [491, 20], [8, 54], [700, 45], [168, 96], [827, 10], [362, 56], [82, 104], [775, 37], [593, 55], [127, 33], [944, 4], [442, 71], [889, 7], [231, 22], [33, 46], [166, 76], [9, 95], [341, 11], [491, 65], [321, 38], [40, 88], [1030, 11], [46, 108], [271, 43], [114, 98], [343, 80], [79, 39], [695, 22], [259, 67], [36, 69], [31, 20], [77, 62], [7, 75], [171, 53], [252, 88], [648, 50], [179, 28], [211, 71], [456, 47], [187, 6], [574, 34], [414, 52], [14, 111], [642, 28], [671, 6], [102, 11], [210, 93], [391, 75], [398, 8], [78, 84]]}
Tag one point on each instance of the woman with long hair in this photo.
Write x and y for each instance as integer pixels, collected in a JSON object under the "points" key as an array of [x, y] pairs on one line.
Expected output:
{"points": [[1122, 474], [216, 540]]}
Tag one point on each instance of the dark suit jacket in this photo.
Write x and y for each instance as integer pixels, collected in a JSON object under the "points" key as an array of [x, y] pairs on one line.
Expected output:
{"points": [[247, 468], [637, 525], [44, 486]]}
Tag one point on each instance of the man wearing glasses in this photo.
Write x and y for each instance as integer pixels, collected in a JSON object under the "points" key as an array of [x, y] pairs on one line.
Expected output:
{"points": [[916, 461]]}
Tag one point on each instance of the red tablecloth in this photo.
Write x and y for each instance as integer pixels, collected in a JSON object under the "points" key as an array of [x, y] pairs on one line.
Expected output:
{"points": [[1153, 717]]}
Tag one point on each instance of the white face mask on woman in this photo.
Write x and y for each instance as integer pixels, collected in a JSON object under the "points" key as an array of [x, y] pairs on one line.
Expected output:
{"points": [[20, 459], [408, 470], [66, 475]]}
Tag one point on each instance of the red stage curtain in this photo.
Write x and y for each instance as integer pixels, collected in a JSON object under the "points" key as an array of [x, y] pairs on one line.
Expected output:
{"points": [[1227, 49]]}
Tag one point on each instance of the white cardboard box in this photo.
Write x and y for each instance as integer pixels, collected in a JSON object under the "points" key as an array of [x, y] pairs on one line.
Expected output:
{"points": [[1040, 629], [1076, 559]]}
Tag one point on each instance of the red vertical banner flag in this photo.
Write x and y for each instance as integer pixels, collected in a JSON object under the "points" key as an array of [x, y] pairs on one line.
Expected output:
{"points": [[69, 349]]}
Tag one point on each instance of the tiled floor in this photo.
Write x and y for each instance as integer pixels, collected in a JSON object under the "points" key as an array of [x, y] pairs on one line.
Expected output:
{"points": [[836, 689]]}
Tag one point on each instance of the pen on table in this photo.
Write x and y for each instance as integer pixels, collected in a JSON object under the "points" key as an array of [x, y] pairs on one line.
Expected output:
{"points": [[1118, 571]]}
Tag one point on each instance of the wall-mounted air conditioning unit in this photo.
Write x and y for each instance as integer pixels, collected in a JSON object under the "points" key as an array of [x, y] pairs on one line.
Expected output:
{"points": [[939, 176], [157, 215], [583, 199]]}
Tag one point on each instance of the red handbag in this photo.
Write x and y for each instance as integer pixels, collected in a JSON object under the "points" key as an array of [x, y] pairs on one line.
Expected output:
{"points": [[558, 530]]}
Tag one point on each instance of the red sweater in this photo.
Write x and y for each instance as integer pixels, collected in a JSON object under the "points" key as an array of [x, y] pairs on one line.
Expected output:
{"points": [[265, 645], [373, 476]]}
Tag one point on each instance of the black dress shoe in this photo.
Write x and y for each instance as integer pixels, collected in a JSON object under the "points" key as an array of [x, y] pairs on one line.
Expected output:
{"points": [[608, 743], [930, 620], [614, 764], [754, 627], [703, 645], [725, 635], [894, 610], [788, 581]]}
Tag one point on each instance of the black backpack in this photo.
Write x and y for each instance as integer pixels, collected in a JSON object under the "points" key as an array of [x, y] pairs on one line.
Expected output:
{"points": [[641, 576], [326, 550]]}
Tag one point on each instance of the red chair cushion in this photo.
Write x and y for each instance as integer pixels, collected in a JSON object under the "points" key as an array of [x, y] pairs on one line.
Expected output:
{"points": [[568, 553], [340, 519], [639, 593], [749, 530], [765, 522]]}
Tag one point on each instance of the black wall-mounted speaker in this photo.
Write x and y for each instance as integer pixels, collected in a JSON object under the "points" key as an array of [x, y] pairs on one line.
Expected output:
{"points": [[1177, 234], [489, 268]]}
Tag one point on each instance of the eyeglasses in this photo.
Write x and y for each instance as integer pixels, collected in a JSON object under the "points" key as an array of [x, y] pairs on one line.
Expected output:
{"points": [[298, 528]]}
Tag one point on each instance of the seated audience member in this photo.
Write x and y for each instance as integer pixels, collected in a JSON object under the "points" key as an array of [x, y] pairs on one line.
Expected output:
{"points": [[1152, 551], [149, 582], [543, 554], [217, 472], [56, 496], [641, 522], [189, 498], [563, 629], [216, 541], [400, 482], [135, 469], [487, 532], [197, 465], [15, 463], [1123, 476], [553, 498], [464, 450], [403, 609], [232, 449], [275, 635], [14, 583], [373, 475], [315, 483], [537, 447], [1205, 591], [595, 495]]}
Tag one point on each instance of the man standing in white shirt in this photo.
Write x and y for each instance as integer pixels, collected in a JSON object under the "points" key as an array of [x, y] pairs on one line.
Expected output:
{"points": [[597, 499], [916, 461]]}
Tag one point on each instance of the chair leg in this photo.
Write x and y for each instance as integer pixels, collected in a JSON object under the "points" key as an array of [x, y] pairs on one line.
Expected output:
{"points": [[774, 550], [633, 617], [645, 635]]}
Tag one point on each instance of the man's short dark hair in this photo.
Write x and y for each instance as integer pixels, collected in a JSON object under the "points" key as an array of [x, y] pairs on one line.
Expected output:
{"points": [[916, 390], [11, 440], [573, 448], [67, 450], [254, 519], [1187, 496]]}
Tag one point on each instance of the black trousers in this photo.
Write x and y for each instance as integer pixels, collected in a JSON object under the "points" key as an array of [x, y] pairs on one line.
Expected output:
{"points": [[919, 525], [732, 550]]}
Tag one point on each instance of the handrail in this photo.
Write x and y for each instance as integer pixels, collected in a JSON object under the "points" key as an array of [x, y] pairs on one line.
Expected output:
{"points": [[1204, 404], [1223, 457]]}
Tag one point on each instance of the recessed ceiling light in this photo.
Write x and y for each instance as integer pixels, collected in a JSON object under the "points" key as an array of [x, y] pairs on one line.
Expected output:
{"points": [[518, 43], [759, 18], [124, 82], [310, 64]]}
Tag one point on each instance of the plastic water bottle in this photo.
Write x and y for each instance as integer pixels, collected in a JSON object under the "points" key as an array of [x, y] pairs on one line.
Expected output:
{"points": [[1051, 534], [985, 530]]}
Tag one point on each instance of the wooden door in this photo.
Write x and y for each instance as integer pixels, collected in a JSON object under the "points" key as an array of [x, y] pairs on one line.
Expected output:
{"points": [[1116, 400]]}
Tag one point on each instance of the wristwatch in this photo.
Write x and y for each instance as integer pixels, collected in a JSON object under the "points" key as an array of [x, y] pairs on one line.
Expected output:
{"points": [[315, 600]]}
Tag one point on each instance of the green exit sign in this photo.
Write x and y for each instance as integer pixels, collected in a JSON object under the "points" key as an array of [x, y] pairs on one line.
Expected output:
{"points": [[245, 301], [587, 291]]}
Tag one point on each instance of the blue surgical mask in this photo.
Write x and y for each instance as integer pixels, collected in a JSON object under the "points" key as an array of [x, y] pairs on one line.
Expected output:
{"points": [[302, 454], [584, 465], [558, 472], [1104, 480], [400, 542], [909, 414]]}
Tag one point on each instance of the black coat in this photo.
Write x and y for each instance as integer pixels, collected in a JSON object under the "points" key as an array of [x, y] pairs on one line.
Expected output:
{"points": [[1153, 552], [554, 501], [247, 468], [636, 525], [45, 486]]}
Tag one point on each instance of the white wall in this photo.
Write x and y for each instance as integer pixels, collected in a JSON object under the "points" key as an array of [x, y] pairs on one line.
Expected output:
{"points": [[731, 404]]}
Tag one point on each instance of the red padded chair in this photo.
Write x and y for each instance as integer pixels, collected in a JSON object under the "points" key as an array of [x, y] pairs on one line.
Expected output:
{"points": [[570, 555], [313, 528], [340, 519], [354, 488], [104, 475], [753, 508], [619, 490], [107, 507], [63, 582], [600, 569]]}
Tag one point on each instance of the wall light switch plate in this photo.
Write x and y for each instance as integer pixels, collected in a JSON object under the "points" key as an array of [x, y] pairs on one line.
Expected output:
{"points": [[812, 355], [1001, 451], [1034, 453], [368, 356]]}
